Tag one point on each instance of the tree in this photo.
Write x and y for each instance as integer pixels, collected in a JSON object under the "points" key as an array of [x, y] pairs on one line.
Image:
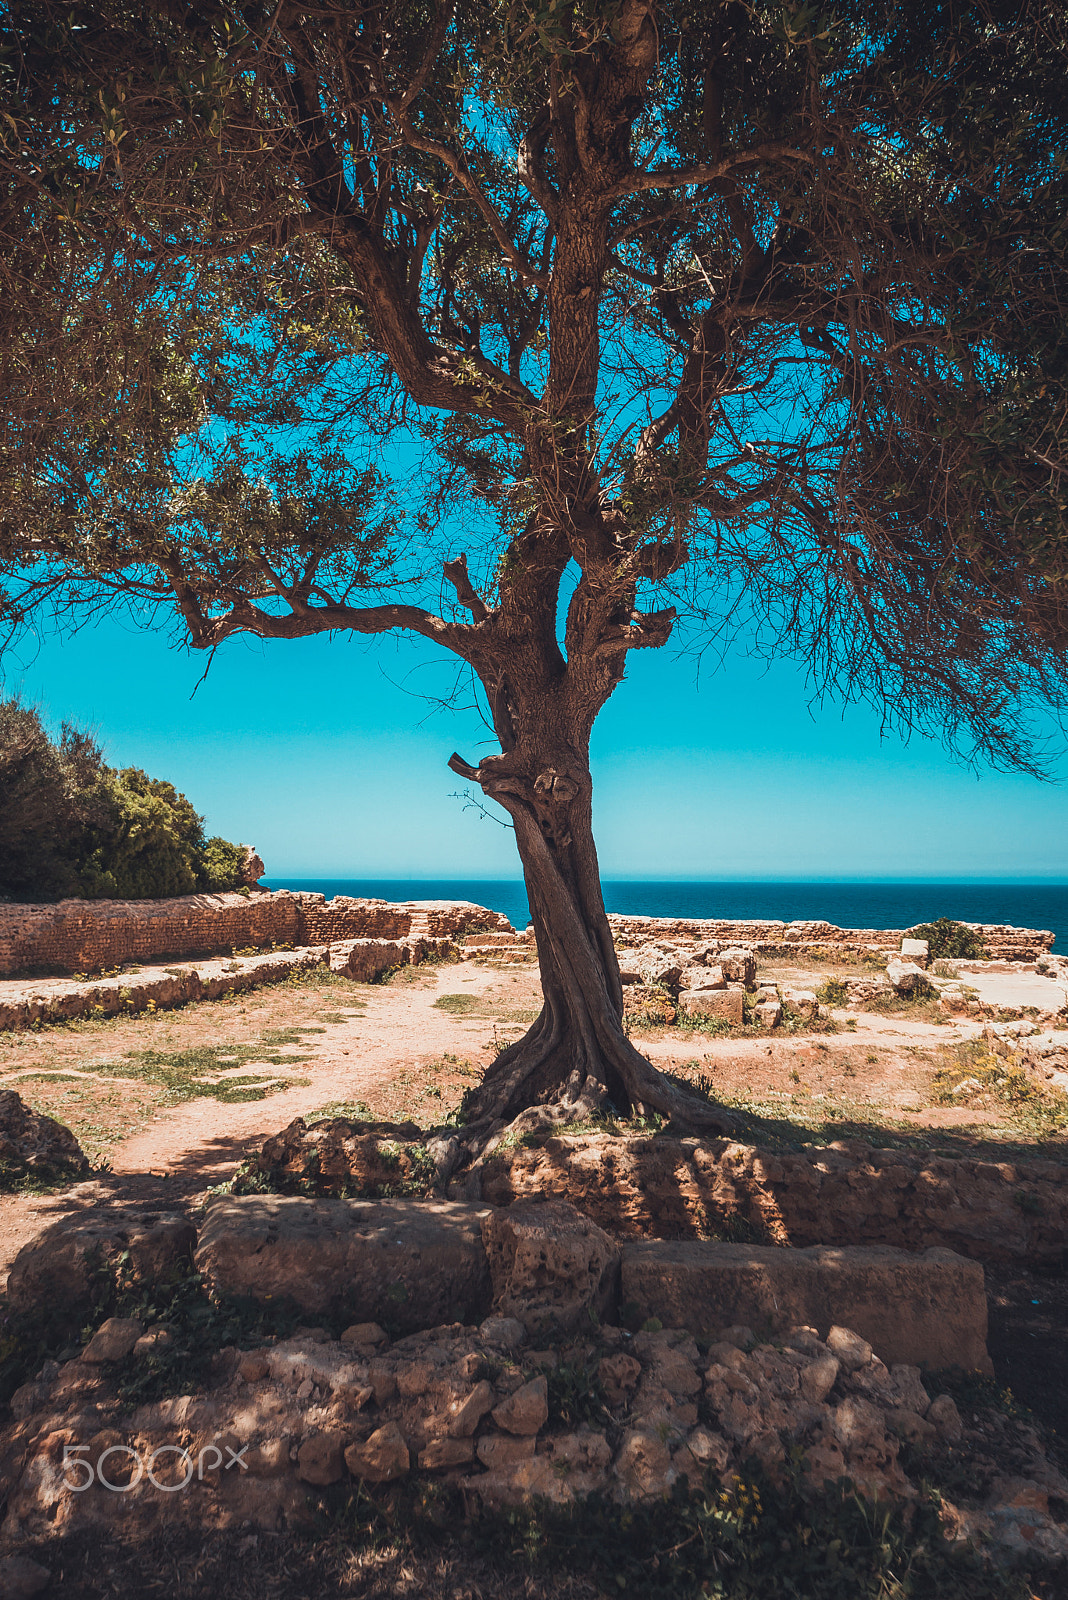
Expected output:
{"points": [[735, 307], [70, 825]]}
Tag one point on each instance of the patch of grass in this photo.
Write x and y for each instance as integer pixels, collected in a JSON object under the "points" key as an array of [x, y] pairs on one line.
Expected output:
{"points": [[351, 1110], [201, 1072], [832, 993], [16, 1177], [576, 1395], [457, 1005], [747, 1539], [972, 1075]]}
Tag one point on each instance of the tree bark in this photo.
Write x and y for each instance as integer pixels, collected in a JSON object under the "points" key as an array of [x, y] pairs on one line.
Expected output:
{"points": [[576, 1061]]}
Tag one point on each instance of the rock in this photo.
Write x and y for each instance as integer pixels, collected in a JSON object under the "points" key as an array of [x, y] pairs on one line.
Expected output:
{"points": [[657, 965], [552, 1268], [268, 1460], [768, 1013], [506, 1333], [496, 1451], [340, 1155], [21, 1578], [738, 965], [364, 960], [909, 1425], [696, 979], [113, 1339], [321, 1459], [525, 1411], [908, 979], [465, 1415], [446, 1453], [381, 1458], [619, 1375], [365, 1333], [644, 1468], [727, 1004], [709, 1449], [414, 1263], [942, 1413], [153, 1342], [252, 868], [56, 1267], [850, 1350], [253, 1366], [916, 951], [818, 1378], [30, 1139], [927, 1309], [802, 1002], [738, 1336]]}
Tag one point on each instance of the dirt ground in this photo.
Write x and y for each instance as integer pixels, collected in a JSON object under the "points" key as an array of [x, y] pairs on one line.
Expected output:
{"points": [[168, 1104]]}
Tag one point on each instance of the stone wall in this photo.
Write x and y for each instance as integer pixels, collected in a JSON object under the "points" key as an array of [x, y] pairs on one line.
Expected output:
{"points": [[771, 938], [845, 1194], [93, 935]]}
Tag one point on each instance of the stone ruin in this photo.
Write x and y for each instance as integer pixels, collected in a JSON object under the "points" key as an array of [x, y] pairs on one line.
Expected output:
{"points": [[740, 1353]]}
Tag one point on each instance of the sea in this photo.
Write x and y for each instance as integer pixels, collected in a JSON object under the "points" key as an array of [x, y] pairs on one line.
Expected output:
{"points": [[849, 905]]}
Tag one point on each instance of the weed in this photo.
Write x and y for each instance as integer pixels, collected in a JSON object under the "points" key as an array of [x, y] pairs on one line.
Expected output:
{"points": [[971, 1074], [200, 1072], [458, 1005], [576, 1395], [832, 993], [948, 938]]}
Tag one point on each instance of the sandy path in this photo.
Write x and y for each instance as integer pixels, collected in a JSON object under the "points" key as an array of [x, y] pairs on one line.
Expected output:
{"points": [[189, 1147]]}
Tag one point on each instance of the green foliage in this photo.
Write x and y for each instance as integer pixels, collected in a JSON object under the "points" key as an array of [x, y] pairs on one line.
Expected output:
{"points": [[832, 993], [203, 1071], [751, 1539], [947, 939], [70, 825], [972, 1075], [222, 865]]}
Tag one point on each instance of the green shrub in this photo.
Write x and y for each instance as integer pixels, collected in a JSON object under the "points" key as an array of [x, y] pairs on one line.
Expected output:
{"points": [[71, 825], [222, 865], [946, 938]]}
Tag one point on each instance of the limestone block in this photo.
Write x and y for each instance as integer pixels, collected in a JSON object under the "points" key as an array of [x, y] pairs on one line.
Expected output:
{"points": [[320, 1459], [927, 1310], [701, 978], [725, 1003], [381, 1458], [917, 951], [551, 1266], [908, 978], [113, 1339], [54, 1269], [412, 1263], [739, 965], [364, 960], [525, 1411], [802, 1002]]}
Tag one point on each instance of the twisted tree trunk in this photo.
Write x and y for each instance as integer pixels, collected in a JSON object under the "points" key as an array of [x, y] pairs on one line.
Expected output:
{"points": [[576, 1061]]}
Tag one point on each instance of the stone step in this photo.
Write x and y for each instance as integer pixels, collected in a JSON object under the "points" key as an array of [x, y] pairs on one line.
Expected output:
{"points": [[927, 1310], [409, 1263]]}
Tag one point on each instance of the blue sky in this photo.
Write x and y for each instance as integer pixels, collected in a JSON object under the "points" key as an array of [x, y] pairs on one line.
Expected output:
{"points": [[320, 753]]}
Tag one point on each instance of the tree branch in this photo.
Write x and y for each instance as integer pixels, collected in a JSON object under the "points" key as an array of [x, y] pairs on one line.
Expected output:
{"points": [[466, 593], [689, 177]]}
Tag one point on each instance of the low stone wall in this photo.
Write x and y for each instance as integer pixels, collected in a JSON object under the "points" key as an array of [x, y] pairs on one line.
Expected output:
{"points": [[771, 938], [842, 1195], [93, 935]]}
